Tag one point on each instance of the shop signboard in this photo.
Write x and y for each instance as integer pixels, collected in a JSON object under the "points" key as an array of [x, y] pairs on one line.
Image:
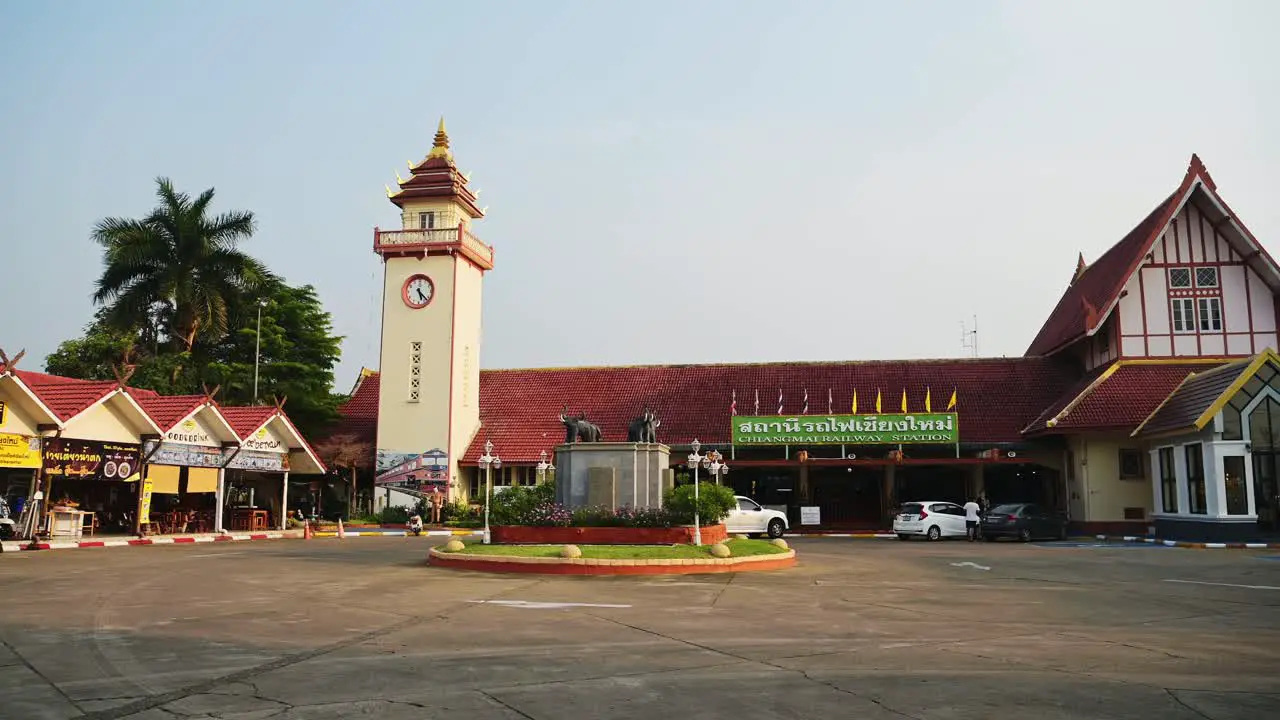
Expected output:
{"points": [[191, 432], [259, 461], [265, 441], [144, 502], [879, 429], [91, 460], [168, 453], [19, 451]]}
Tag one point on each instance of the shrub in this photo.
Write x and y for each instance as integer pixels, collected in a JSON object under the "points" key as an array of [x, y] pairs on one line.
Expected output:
{"points": [[393, 515], [528, 505], [459, 511], [714, 503], [625, 516]]}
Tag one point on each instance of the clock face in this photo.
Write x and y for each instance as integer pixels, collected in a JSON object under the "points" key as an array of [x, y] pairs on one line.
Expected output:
{"points": [[418, 291]]}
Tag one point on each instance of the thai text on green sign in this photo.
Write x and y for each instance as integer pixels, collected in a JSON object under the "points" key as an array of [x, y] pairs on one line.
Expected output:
{"points": [[882, 429]]}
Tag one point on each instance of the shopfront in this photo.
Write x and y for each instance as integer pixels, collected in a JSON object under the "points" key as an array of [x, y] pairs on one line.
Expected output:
{"points": [[92, 486], [257, 473], [21, 416], [185, 470], [92, 467]]}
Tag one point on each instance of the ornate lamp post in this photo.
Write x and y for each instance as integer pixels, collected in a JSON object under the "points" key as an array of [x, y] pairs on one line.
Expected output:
{"points": [[696, 460], [489, 462], [718, 467], [544, 467]]}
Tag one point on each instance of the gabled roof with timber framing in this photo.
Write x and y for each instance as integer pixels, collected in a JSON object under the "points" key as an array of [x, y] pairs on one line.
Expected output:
{"points": [[1095, 289]]}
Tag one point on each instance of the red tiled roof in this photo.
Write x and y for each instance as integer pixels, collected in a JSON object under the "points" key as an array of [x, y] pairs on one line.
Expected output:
{"points": [[66, 397], [167, 411], [1119, 398], [519, 409], [1084, 305], [1081, 386], [245, 420], [1196, 394], [359, 414], [1080, 308]]}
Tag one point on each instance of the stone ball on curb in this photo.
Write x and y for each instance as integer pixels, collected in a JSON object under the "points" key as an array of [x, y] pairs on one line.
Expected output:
{"points": [[741, 536], [454, 546], [570, 551], [779, 542], [720, 550]]}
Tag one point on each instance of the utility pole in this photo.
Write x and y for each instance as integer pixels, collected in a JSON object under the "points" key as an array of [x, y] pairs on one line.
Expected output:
{"points": [[257, 350]]}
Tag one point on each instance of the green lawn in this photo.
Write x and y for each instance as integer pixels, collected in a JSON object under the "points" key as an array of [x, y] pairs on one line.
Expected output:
{"points": [[740, 548]]}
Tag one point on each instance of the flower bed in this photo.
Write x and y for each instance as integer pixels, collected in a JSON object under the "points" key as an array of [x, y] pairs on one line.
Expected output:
{"points": [[559, 535]]}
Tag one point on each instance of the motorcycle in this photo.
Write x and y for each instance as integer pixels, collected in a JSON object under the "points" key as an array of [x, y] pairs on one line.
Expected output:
{"points": [[8, 528], [414, 525]]}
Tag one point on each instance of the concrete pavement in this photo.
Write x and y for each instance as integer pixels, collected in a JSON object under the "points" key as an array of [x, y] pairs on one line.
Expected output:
{"points": [[333, 629]]}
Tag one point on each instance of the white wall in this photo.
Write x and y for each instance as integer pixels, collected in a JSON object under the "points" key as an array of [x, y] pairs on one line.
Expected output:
{"points": [[1145, 314]]}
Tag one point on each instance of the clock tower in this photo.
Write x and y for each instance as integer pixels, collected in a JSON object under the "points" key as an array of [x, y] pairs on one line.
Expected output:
{"points": [[433, 269]]}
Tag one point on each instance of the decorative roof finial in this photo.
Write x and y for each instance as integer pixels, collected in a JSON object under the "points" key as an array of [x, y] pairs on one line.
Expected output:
{"points": [[440, 148]]}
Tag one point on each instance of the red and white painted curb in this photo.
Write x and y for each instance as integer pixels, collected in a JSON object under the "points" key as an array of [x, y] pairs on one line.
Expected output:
{"points": [[123, 542]]}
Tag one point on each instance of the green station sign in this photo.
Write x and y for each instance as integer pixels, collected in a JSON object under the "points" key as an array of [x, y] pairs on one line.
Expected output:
{"points": [[879, 429]]}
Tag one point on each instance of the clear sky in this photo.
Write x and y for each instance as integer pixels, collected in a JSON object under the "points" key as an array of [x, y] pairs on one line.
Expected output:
{"points": [[667, 181]]}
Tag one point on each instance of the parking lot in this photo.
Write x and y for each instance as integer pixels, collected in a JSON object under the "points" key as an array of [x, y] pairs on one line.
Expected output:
{"points": [[860, 628]]}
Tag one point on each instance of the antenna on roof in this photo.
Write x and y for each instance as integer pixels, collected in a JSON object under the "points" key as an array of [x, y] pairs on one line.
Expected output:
{"points": [[969, 338]]}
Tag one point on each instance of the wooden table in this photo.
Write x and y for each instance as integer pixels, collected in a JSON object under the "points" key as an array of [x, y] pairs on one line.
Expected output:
{"points": [[250, 518]]}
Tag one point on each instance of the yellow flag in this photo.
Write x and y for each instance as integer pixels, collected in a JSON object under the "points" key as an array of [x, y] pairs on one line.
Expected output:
{"points": [[928, 402], [855, 402], [952, 404], [878, 400]]}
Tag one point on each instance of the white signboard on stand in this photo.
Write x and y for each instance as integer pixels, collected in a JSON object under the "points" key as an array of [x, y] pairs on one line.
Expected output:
{"points": [[810, 515]]}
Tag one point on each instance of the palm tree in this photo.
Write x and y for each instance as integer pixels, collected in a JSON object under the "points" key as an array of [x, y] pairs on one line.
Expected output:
{"points": [[177, 270]]}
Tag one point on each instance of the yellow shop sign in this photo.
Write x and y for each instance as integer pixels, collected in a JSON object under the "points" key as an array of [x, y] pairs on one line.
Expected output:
{"points": [[19, 451]]}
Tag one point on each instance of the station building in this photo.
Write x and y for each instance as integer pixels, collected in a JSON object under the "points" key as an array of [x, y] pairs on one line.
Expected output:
{"points": [[1145, 404]]}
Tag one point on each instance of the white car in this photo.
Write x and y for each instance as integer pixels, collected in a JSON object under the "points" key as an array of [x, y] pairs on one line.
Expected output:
{"points": [[750, 518], [934, 519]]}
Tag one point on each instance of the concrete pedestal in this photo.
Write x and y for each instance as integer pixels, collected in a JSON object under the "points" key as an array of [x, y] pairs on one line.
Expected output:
{"points": [[612, 474]]}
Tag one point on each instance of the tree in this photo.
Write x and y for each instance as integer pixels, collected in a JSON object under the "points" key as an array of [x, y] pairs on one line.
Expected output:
{"points": [[298, 356], [346, 451], [177, 273]]}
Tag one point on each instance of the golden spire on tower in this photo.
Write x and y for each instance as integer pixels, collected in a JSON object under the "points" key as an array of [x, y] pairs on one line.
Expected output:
{"points": [[440, 148]]}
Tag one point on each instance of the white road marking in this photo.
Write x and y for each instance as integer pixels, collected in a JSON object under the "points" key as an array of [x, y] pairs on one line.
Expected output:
{"points": [[218, 555], [545, 605], [970, 564], [1247, 587]]}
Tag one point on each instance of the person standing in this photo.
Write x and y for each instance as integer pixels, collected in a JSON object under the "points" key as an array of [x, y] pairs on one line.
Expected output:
{"points": [[971, 509], [437, 504]]}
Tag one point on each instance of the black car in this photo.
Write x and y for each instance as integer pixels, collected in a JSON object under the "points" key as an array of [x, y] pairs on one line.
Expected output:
{"points": [[1025, 521]]}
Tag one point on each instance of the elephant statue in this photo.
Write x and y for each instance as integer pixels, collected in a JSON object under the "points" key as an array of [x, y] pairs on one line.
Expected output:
{"points": [[579, 428], [644, 428]]}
